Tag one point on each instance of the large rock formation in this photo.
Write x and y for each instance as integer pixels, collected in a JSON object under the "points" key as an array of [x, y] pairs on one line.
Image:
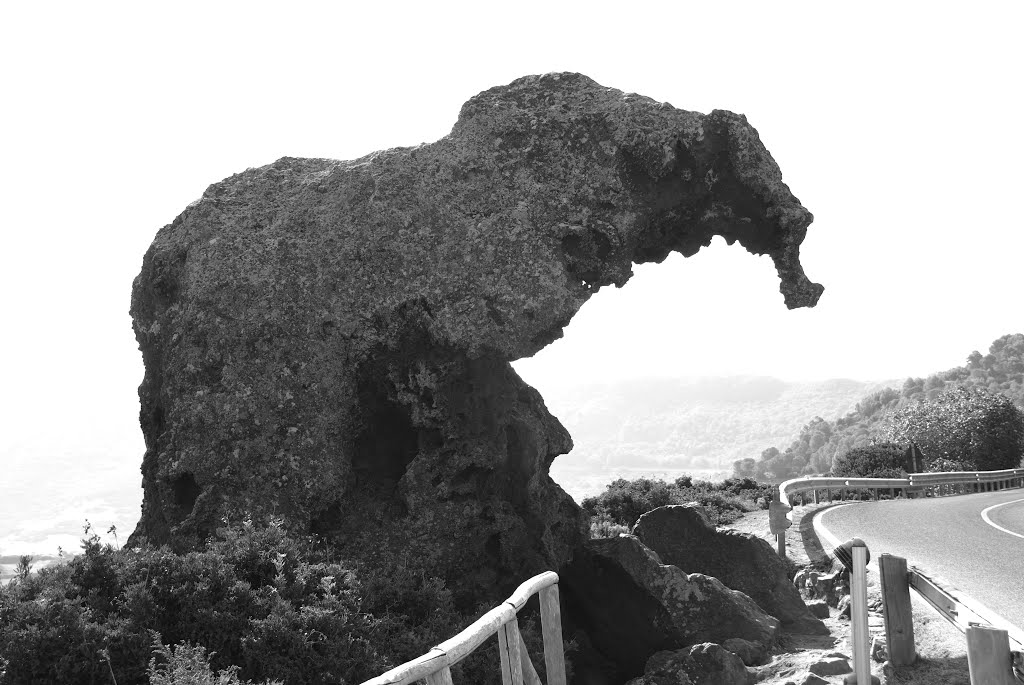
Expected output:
{"points": [[683, 536], [329, 341], [631, 605]]}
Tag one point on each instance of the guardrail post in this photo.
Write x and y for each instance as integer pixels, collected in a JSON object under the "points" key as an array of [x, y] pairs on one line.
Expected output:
{"points": [[896, 610], [988, 656]]}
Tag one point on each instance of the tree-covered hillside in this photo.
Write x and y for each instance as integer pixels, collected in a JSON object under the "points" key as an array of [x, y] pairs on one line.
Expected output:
{"points": [[690, 423], [1001, 371]]}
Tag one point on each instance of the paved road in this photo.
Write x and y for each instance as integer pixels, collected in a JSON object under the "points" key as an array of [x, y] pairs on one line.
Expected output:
{"points": [[949, 538]]}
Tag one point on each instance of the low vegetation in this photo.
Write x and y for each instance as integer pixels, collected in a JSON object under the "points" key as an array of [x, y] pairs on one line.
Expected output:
{"points": [[617, 508], [882, 460], [257, 604]]}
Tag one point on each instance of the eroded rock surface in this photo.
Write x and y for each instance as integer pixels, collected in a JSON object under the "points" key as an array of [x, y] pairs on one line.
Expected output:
{"points": [[703, 664], [632, 605], [682, 535], [329, 341]]}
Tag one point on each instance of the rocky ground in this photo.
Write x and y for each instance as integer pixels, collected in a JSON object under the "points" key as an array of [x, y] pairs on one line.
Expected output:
{"points": [[807, 660]]}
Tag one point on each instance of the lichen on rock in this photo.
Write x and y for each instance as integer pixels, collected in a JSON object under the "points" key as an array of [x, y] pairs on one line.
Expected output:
{"points": [[330, 341]]}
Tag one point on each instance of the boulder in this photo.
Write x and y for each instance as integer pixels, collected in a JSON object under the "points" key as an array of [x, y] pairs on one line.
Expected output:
{"points": [[683, 536], [632, 605], [813, 679], [844, 606], [818, 608], [751, 653], [329, 342], [830, 666], [703, 664]]}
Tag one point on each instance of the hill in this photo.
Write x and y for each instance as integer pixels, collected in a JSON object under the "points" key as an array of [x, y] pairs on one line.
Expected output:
{"points": [[821, 440], [690, 423]]}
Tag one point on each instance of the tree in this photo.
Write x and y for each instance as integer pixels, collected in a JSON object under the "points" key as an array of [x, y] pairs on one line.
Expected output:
{"points": [[972, 426], [744, 468], [882, 460]]}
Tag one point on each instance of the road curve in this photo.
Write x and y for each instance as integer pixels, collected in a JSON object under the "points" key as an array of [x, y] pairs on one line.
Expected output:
{"points": [[948, 537]]}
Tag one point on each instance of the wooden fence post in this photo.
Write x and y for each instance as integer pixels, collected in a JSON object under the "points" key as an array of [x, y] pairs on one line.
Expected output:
{"points": [[508, 650], [442, 677], [551, 628], [896, 609], [988, 656]]}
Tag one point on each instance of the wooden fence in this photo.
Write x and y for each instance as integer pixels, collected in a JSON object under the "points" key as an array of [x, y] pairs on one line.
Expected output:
{"points": [[516, 666]]}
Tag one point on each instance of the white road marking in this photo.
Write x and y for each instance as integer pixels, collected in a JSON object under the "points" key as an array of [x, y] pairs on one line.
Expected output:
{"points": [[984, 516], [819, 525]]}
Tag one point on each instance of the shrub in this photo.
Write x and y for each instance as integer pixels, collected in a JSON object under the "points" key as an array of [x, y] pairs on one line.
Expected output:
{"points": [[882, 460], [188, 664], [274, 605], [971, 426], [256, 604], [623, 502], [602, 526]]}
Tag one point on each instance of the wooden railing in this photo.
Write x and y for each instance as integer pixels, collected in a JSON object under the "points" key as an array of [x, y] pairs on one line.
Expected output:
{"points": [[516, 665], [993, 644]]}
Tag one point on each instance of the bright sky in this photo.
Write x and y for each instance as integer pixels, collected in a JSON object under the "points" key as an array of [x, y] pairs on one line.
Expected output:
{"points": [[896, 124]]}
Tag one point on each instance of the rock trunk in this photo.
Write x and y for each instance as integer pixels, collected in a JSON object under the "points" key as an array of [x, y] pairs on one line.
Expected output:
{"points": [[329, 341]]}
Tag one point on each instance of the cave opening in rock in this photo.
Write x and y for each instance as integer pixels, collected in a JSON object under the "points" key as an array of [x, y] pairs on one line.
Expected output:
{"points": [[386, 445], [185, 491]]}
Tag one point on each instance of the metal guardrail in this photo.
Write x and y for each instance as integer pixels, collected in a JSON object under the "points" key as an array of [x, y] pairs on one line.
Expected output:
{"points": [[912, 482], [516, 666], [960, 609], [995, 647], [915, 483]]}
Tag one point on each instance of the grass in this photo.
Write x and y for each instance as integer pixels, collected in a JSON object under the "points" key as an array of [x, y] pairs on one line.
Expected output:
{"points": [[941, 650]]}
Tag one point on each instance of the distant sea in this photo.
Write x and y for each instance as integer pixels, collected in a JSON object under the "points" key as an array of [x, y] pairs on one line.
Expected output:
{"points": [[44, 504]]}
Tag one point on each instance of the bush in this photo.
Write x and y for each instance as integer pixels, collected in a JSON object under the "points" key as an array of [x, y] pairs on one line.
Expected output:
{"points": [[970, 426], [255, 604], [883, 460], [602, 526], [188, 664], [623, 502]]}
